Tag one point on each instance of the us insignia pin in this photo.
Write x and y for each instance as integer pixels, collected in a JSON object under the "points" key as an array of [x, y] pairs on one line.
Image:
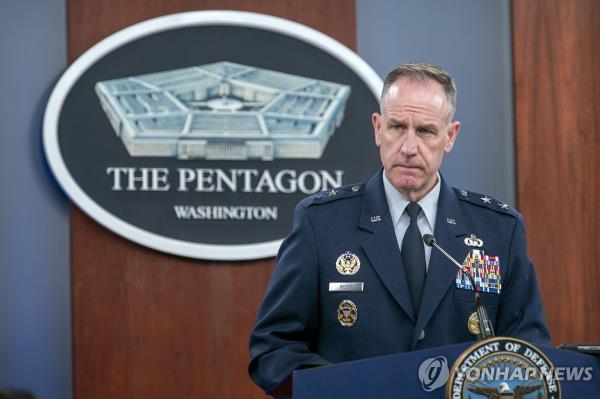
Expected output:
{"points": [[375, 218], [347, 313], [347, 264], [473, 241], [473, 324]]}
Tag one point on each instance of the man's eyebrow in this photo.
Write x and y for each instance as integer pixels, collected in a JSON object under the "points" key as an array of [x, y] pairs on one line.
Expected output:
{"points": [[429, 125], [396, 120]]}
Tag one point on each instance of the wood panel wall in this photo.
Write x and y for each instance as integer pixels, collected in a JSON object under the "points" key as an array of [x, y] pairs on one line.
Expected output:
{"points": [[557, 104], [151, 325]]}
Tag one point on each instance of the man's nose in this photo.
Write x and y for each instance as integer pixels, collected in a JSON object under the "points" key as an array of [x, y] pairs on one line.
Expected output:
{"points": [[410, 145]]}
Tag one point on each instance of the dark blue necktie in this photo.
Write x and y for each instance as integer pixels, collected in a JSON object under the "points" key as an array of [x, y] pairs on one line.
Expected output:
{"points": [[413, 256]]}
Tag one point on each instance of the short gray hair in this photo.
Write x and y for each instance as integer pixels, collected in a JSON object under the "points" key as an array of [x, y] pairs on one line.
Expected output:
{"points": [[422, 72]]}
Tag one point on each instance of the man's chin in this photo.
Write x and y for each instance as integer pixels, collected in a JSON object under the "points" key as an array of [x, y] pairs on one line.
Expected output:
{"points": [[411, 187], [407, 185]]}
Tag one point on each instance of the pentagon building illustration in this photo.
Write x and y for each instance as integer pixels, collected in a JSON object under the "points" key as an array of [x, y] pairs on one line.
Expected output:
{"points": [[223, 111]]}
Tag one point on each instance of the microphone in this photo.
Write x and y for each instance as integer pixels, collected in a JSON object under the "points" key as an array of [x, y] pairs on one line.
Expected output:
{"points": [[485, 324]]}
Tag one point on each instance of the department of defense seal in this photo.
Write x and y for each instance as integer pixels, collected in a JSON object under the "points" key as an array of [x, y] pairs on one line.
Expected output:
{"points": [[502, 367]]}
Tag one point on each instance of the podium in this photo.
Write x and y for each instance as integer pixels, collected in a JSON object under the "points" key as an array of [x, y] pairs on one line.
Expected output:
{"points": [[397, 376]]}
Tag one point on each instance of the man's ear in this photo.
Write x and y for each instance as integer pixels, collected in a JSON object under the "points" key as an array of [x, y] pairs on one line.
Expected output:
{"points": [[453, 130], [376, 120]]}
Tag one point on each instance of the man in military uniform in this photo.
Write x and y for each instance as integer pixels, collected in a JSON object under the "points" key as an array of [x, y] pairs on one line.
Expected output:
{"points": [[354, 279]]}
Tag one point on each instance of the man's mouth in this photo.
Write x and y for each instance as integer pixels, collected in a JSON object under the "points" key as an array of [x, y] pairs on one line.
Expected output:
{"points": [[409, 166]]}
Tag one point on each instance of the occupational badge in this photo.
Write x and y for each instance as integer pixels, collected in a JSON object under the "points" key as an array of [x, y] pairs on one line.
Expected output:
{"points": [[347, 313], [473, 324], [473, 241], [485, 270], [347, 264]]}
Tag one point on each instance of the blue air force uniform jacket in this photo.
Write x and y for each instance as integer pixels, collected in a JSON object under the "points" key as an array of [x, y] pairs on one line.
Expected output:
{"points": [[297, 325]]}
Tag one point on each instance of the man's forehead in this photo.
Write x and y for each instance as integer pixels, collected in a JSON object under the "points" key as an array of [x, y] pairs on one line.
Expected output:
{"points": [[426, 93], [411, 87]]}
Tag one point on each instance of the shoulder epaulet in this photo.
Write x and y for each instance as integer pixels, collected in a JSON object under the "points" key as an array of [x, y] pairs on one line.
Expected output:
{"points": [[334, 194], [485, 201]]}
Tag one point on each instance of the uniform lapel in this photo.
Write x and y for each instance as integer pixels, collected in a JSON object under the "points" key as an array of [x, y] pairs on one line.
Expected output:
{"points": [[441, 272], [382, 247]]}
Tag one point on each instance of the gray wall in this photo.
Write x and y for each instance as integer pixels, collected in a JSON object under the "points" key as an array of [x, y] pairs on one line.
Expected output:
{"points": [[35, 333], [471, 39]]}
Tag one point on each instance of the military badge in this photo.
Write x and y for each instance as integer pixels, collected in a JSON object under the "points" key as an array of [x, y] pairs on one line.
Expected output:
{"points": [[347, 313], [485, 270], [347, 264], [473, 241], [473, 324]]}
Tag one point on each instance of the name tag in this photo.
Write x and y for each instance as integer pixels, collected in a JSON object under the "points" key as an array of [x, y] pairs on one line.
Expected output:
{"points": [[346, 287]]}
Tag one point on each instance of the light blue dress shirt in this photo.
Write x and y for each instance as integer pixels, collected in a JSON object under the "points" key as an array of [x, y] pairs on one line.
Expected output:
{"points": [[426, 219]]}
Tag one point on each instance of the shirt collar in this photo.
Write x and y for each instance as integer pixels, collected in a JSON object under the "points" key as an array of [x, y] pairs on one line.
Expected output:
{"points": [[397, 202]]}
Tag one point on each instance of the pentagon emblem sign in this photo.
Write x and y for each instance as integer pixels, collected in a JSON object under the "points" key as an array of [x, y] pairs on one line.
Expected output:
{"points": [[197, 133], [223, 111]]}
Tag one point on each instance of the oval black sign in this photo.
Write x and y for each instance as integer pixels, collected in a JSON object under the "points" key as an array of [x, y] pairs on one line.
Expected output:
{"points": [[197, 133]]}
